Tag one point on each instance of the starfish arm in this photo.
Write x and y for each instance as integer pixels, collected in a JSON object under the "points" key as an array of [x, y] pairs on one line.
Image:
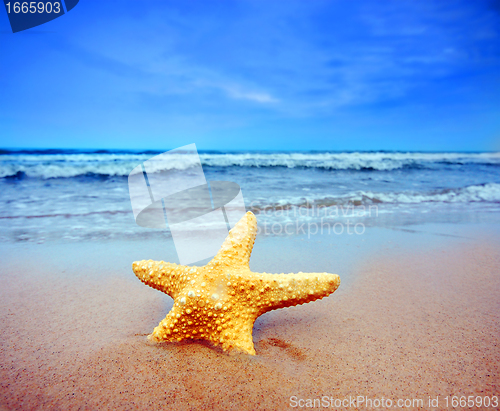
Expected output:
{"points": [[286, 290], [169, 329], [238, 245], [185, 322], [239, 337], [166, 277], [190, 321]]}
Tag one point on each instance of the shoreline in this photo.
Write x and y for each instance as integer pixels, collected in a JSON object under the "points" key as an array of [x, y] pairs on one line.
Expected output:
{"points": [[417, 315]]}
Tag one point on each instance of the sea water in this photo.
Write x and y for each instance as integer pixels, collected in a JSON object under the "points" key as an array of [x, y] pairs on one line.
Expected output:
{"points": [[74, 195]]}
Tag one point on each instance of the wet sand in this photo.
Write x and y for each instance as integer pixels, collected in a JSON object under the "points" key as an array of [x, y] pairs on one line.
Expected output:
{"points": [[416, 316]]}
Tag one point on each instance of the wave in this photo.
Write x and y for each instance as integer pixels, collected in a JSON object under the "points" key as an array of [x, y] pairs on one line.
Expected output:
{"points": [[46, 171], [66, 165], [65, 215], [349, 161], [487, 193]]}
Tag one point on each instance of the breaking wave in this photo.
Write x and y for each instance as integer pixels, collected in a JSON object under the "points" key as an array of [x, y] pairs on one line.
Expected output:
{"points": [[66, 165], [489, 193]]}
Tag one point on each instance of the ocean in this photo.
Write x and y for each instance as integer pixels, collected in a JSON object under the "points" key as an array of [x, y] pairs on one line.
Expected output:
{"points": [[79, 195]]}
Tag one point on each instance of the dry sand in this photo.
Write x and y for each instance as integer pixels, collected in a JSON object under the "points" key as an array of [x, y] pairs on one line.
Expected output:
{"points": [[410, 324]]}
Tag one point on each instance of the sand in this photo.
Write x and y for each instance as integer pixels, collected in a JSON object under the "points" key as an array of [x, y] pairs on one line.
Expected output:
{"points": [[417, 316]]}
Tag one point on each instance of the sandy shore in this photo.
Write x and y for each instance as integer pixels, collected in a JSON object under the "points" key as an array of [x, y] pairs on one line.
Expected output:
{"points": [[417, 316]]}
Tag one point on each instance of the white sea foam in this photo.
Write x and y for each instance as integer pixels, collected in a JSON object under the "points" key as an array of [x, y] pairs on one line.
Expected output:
{"points": [[489, 193], [71, 165], [347, 161], [476, 193]]}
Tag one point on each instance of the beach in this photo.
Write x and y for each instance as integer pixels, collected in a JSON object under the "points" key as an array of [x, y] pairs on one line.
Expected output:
{"points": [[145, 145], [416, 318]]}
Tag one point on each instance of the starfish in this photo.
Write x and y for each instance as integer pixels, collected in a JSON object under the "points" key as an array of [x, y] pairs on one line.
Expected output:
{"points": [[220, 301]]}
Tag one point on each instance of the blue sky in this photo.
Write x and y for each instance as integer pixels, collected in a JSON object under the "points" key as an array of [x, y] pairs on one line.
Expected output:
{"points": [[258, 75]]}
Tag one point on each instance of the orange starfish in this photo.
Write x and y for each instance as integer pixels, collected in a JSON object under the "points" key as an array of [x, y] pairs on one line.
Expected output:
{"points": [[220, 301]]}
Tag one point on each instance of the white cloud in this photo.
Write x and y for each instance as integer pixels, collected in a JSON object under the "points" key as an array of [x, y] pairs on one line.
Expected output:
{"points": [[238, 93]]}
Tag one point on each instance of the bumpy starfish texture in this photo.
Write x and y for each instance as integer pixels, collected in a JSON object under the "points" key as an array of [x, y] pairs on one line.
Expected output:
{"points": [[220, 301]]}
